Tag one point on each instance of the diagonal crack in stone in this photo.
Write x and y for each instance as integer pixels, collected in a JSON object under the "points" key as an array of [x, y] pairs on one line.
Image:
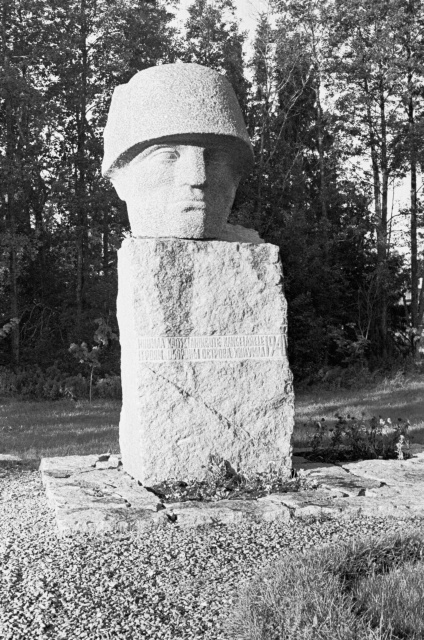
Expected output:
{"points": [[219, 415]]}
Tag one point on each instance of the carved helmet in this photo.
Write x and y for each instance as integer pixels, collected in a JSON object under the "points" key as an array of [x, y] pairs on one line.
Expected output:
{"points": [[170, 100]]}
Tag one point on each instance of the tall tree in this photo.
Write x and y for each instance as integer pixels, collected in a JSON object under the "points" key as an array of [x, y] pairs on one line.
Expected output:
{"points": [[88, 60], [304, 199], [279, 117], [213, 38], [410, 62], [363, 65], [59, 220], [23, 120]]}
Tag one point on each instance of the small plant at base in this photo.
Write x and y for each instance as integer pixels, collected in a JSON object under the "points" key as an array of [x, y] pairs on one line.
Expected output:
{"points": [[358, 439], [222, 481], [317, 439], [90, 358], [102, 337], [399, 447]]}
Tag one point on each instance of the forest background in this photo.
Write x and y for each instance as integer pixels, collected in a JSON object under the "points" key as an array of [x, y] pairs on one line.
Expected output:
{"points": [[333, 97]]}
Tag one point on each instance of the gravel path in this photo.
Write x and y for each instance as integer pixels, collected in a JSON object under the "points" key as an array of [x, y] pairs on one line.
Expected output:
{"points": [[171, 583]]}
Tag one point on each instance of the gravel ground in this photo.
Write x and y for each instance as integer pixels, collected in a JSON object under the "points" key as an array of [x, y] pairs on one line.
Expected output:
{"points": [[172, 583]]}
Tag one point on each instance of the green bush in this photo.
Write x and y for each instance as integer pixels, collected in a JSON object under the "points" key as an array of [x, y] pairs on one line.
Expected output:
{"points": [[337, 593]]}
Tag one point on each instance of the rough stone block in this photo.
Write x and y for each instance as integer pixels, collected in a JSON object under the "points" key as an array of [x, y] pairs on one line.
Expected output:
{"points": [[85, 498], [204, 364]]}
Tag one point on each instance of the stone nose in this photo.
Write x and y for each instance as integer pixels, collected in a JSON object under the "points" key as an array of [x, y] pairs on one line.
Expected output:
{"points": [[192, 166]]}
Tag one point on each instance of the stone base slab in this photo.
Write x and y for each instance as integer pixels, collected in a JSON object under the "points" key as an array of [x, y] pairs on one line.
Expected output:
{"points": [[93, 493]]}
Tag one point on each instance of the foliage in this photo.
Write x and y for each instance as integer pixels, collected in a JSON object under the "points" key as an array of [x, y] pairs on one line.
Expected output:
{"points": [[358, 439], [222, 482], [60, 222], [7, 328], [336, 593], [303, 198], [333, 102]]}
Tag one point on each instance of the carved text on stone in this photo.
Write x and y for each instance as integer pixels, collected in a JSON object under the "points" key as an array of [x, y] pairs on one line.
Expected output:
{"points": [[214, 347]]}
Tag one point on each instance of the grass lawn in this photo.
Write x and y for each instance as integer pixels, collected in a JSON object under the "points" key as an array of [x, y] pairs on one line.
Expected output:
{"points": [[65, 427], [396, 398], [58, 428], [366, 590]]}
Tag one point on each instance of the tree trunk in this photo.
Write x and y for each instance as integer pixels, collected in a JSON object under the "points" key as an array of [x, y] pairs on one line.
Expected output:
{"points": [[259, 195], [80, 186], [14, 300], [105, 244], [323, 183], [420, 326], [9, 188], [415, 319], [380, 216], [382, 227], [374, 161]]}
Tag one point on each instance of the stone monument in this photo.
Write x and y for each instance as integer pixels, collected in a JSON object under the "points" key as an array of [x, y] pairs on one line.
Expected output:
{"points": [[201, 308]]}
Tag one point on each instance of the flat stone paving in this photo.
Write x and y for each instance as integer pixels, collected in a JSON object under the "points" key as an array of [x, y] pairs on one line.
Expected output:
{"points": [[94, 493]]}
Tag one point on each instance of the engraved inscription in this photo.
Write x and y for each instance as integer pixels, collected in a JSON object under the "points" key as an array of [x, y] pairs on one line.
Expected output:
{"points": [[197, 348]]}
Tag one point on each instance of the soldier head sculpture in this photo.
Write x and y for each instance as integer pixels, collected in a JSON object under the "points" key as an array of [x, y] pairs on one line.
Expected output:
{"points": [[176, 147]]}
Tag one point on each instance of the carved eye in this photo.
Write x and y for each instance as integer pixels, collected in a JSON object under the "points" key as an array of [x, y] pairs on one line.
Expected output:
{"points": [[166, 153]]}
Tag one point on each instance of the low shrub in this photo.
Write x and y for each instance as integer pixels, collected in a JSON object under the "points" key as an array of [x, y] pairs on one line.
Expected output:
{"points": [[108, 387], [76, 387], [359, 439], [351, 377], [7, 383], [32, 383], [337, 594]]}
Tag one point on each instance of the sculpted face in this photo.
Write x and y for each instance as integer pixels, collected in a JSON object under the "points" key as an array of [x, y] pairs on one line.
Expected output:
{"points": [[180, 187]]}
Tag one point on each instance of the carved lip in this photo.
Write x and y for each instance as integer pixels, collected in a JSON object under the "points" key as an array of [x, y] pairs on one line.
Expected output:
{"points": [[192, 202]]}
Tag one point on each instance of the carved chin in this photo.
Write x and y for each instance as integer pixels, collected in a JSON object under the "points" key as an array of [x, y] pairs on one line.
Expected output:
{"points": [[195, 223], [184, 220]]}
